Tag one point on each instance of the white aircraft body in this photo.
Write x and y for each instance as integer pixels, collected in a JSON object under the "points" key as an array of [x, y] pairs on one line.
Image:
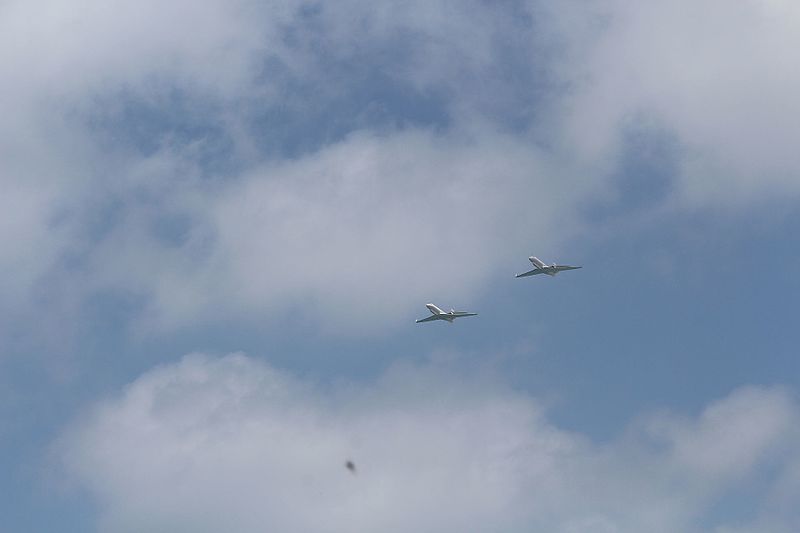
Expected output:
{"points": [[542, 268], [438, 314]]}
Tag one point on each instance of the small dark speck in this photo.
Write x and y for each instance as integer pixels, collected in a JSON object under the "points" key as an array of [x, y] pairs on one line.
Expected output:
{"points": [[350, 466]]}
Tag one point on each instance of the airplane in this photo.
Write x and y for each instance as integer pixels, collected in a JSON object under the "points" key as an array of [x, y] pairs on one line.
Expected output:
{"points": [[438, 314], [541, 268]]}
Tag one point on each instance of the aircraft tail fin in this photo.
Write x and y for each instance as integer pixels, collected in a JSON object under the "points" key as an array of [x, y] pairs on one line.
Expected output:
{"points": [[433, 309], [538, 263]]}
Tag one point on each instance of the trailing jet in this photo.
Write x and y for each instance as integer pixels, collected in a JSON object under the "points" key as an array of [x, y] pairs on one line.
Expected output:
{"points": [[438, 314], [541, 268]]}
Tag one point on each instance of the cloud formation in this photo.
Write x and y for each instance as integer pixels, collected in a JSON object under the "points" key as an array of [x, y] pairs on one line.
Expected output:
{"points": [[252, 158], [717, 77], [235, 158], [231, 443], [388, 222]]}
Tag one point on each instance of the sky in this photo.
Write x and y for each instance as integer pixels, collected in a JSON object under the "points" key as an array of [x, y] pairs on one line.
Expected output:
{"points": [[221, 219]]}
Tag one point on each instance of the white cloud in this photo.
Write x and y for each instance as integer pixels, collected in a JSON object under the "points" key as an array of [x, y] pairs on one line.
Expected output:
{"points": [[358, 234], [720, 76], [210, 444], [380, 217], [68, 50], [729, 438], [363, 214]]}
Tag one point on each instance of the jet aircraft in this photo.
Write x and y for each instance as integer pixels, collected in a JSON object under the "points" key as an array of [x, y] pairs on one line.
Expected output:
{"points": [[438, 314], [541, 268]]}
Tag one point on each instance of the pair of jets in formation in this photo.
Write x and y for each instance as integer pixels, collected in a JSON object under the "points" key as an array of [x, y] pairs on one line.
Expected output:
{"points": [[539, 267]]}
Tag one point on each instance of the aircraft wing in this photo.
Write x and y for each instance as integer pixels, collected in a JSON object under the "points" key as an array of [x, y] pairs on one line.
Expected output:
{"points": [[463, 313], [531, 273], [560, 268], [428, 319]]}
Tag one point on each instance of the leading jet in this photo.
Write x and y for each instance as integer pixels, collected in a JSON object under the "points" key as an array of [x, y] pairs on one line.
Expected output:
{"points": [[438, 314], [541, 268]]}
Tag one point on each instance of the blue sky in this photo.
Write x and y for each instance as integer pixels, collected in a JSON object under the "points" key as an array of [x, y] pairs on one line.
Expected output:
{"points": [[221, 221]]}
